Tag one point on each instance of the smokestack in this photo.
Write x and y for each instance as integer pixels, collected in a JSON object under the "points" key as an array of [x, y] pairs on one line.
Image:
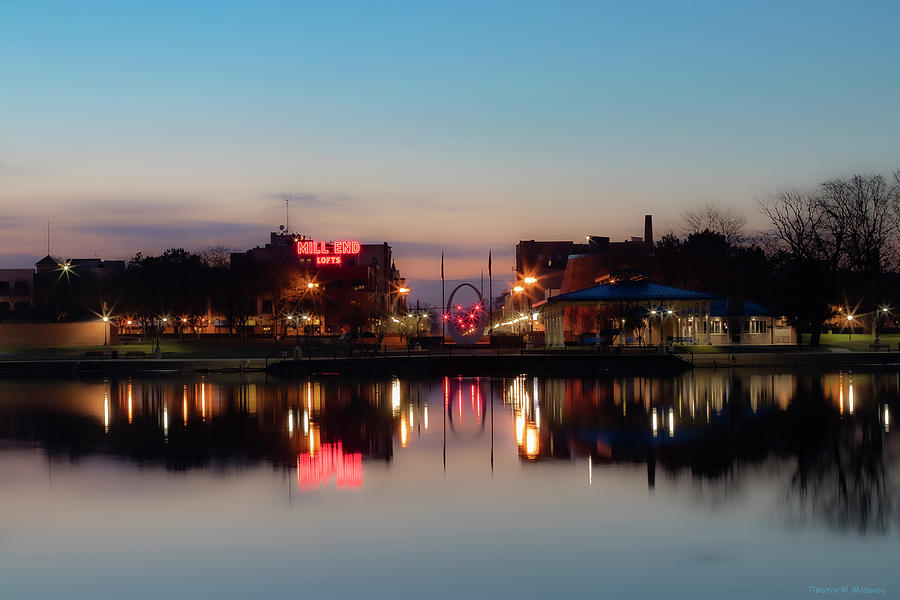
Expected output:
{"points": [[648, 231]]}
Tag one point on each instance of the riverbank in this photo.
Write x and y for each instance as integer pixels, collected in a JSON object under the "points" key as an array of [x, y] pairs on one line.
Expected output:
{"points": [[464, 362], [830, 358], [472, 363]]}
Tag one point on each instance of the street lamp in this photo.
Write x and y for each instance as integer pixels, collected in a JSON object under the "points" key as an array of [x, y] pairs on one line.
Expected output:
{"points": [[105, 328], [850, 324], [883, 310], [530, 281], [158, 325]]}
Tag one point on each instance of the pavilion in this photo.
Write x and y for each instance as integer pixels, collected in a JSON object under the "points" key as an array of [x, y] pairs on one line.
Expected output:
{"points": [[665, 312]]}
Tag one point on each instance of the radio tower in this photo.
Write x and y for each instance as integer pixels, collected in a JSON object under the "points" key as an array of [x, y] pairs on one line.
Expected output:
{"points": [[287, 217]]}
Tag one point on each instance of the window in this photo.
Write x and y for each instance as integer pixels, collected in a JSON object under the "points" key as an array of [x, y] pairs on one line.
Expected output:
{"points": [[22, 287], [4, 288], [746, 326], [716, 326], [266, 306], [757, 326]]}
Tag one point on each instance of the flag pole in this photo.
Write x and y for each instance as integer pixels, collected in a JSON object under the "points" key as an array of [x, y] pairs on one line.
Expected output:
{"points": [[490, 305]]}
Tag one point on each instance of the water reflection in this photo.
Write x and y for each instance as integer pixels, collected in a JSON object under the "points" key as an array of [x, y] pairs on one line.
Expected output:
{"points": [[832, 431]]}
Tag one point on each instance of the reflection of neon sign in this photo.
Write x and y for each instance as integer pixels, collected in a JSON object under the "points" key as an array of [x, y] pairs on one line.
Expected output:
{"points": [[316, 469], [327, 254]]}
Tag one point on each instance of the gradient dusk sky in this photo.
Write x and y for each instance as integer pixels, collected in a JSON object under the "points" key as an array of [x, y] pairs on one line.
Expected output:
{"points": [[137, 126]]}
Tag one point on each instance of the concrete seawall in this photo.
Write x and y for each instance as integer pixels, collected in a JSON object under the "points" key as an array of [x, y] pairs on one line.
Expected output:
{"points": [[473, 364], [487, 365]]}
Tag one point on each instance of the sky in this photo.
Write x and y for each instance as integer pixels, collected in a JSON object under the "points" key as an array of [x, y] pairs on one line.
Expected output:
{"points": [[453, 127]]}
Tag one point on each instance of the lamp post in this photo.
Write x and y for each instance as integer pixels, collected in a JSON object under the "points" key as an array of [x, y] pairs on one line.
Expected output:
{"points": [[530, 281], [881, 311], [518, 289], [850, 325], [105, 329]]}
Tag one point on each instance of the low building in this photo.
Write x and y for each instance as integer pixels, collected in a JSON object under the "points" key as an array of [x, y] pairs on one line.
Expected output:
{"points": [[640, 312], [16, 291], [548, 268], [734, 321]]}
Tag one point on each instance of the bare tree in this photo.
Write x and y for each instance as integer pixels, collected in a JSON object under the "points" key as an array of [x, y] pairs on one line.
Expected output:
{"points": [[716, 220], [217, 257], [861, 206], [842, 234], [798, 220]]}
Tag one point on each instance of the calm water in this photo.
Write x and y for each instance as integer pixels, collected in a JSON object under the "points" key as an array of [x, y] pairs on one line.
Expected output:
{"points": [[746, 484]]}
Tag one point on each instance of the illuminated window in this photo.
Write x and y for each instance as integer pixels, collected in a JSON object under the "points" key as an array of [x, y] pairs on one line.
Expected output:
{"points": [[758, 326]]}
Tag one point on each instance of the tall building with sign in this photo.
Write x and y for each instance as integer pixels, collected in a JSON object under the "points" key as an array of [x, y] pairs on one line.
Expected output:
{"points": [[327, 286]]}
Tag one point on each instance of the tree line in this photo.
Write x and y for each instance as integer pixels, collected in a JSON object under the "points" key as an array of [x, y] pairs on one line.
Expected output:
{"points": [[836, 246]]}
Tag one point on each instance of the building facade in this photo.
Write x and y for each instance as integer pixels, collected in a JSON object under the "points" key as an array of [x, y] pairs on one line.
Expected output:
{"points": [[304, 285], [16, 291]]}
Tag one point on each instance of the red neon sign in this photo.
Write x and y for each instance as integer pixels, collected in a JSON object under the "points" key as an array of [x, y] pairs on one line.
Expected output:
{"points": [[311, 247], [327, 254]]}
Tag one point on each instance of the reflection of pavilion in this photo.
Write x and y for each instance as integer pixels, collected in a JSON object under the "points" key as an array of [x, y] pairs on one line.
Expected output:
{"points": [[679, 421]]}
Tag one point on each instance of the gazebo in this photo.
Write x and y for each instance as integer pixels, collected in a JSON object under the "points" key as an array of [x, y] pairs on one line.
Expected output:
{"points": [[667, 311]]}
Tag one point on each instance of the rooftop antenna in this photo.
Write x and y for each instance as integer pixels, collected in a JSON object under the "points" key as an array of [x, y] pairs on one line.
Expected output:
{"points": [[287, 217]]}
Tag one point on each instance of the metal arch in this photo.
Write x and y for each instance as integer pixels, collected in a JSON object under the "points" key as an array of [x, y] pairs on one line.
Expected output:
{"points": [[457, 288], [457, 336]]}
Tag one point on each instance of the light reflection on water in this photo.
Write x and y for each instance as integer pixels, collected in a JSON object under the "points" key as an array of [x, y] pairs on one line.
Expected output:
{"points": [[235, 484]]}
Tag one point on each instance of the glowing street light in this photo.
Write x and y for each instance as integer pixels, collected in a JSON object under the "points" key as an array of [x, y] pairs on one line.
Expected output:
{"points": [[403, 290], [530, 280], [518, 289]]}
